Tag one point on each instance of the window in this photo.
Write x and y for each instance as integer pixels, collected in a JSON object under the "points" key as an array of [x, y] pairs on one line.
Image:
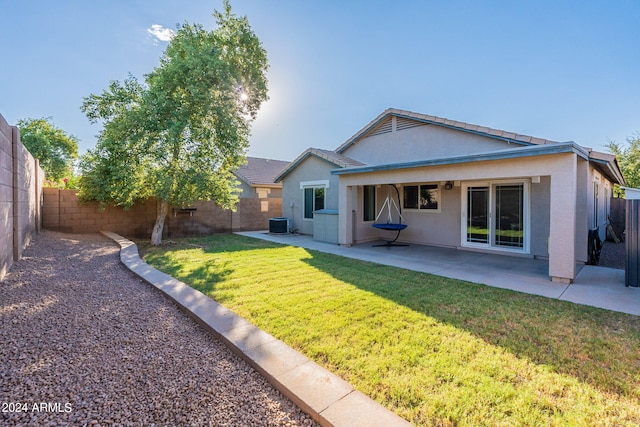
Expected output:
{"points": [[369, 203], [313, 200], [422, 197]]}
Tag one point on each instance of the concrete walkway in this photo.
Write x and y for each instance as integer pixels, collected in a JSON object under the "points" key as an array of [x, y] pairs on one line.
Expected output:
{"points": [[327, 398], [594, 286]]}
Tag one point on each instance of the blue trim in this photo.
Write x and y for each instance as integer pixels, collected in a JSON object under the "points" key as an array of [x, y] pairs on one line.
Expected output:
{"points": [[535, 150]]}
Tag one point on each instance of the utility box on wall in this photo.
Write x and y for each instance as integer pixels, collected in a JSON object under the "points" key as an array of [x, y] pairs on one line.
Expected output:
{"points": [[325, 225]]}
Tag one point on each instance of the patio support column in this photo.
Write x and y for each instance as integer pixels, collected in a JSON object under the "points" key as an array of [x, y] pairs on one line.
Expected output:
{"points": [[345, 222], [562, 229]]}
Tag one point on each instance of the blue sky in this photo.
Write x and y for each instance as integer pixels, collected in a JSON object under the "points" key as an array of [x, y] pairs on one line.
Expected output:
{"points": [[561, 70]]}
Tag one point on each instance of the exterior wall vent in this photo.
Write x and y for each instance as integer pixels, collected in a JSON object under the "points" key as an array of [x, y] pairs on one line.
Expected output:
{"points": [[402, 123], [384, 127]]}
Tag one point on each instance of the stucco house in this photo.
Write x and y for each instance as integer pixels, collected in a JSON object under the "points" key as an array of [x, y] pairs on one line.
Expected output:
{"points": [[458, 185], [257, 178]]}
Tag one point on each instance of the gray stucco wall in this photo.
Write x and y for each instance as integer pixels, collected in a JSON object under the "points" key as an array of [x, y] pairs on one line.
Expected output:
{"points": [[434, 228], [422, 142], [311, 169], [443, 228], [247, 191], [540, 205]]}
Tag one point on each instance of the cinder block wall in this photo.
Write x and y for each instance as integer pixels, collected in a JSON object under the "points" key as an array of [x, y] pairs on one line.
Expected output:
{"points": [[251, 214], [21, 181], [62, 211]]}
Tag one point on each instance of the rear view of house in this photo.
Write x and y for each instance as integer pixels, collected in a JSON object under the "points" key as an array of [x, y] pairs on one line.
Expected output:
{"points": [[454, 184]]}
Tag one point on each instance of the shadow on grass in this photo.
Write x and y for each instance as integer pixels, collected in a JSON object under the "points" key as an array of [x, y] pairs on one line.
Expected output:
{"points": [[596, 346], [177, 258]]}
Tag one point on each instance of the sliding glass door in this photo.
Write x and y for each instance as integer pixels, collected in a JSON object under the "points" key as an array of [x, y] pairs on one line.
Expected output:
{"points": [[509, 219], [496, 215], [478, 215]]}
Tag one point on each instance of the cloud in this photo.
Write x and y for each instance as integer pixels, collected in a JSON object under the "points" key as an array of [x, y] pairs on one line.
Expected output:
{"points": [[161, 33]]}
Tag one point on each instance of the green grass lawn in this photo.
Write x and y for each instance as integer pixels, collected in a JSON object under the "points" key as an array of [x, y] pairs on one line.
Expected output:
{"points": [[436, 351]]}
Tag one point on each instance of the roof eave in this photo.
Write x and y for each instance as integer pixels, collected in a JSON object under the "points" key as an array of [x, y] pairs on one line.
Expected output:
{"points": [[611, 170], [266, 184], [305, 154]]}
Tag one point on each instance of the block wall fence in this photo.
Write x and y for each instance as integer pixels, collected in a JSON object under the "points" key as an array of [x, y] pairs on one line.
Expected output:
{"points": [[62, 211], [21, 181]]}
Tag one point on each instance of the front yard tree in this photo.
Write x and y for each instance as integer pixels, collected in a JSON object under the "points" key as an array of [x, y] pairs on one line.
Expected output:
{"points": [[55, 149], [179, 136]]}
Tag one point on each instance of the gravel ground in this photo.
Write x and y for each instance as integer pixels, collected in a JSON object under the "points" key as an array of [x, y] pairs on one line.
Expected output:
{"points": [[612, 255], [85, 342]]}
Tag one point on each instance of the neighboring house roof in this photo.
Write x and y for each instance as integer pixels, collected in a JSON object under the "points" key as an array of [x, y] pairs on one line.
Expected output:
{"points": [[261, 172], [328, 155], [383, 121]]}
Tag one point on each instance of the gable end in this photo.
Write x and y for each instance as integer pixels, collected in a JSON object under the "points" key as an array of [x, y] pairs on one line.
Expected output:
{"points": [[403, 123], [386, 126]]}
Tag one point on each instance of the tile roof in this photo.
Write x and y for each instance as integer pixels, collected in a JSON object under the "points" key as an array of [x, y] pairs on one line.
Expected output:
{"points": [[335, 158], [328, 155], [260, 171]]}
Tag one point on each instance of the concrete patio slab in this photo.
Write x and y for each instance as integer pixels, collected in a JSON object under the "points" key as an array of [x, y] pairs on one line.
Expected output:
{"points": [[327, 398], [604, 288]]}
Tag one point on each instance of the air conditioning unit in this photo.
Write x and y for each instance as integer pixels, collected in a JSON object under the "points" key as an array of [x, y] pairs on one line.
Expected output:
{"points": [[279, 225]]}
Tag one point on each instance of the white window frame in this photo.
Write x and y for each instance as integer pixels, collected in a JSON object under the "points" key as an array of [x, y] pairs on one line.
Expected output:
{"points": [[419, 184], [313, 184], [526, 210]]}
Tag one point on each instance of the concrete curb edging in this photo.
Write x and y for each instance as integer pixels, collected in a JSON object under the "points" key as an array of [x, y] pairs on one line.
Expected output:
{"points": [[329, 400]]}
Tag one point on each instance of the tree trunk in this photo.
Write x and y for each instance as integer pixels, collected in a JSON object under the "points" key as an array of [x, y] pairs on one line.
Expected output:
{"points": [[156, 235]]}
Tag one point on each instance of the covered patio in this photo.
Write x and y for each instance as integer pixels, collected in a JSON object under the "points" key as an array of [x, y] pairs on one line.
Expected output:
{"points": [[594, 286], [551, 200]]}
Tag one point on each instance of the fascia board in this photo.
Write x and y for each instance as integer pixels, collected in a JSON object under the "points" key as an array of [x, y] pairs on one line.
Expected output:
{"points": [[529, 151]]}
